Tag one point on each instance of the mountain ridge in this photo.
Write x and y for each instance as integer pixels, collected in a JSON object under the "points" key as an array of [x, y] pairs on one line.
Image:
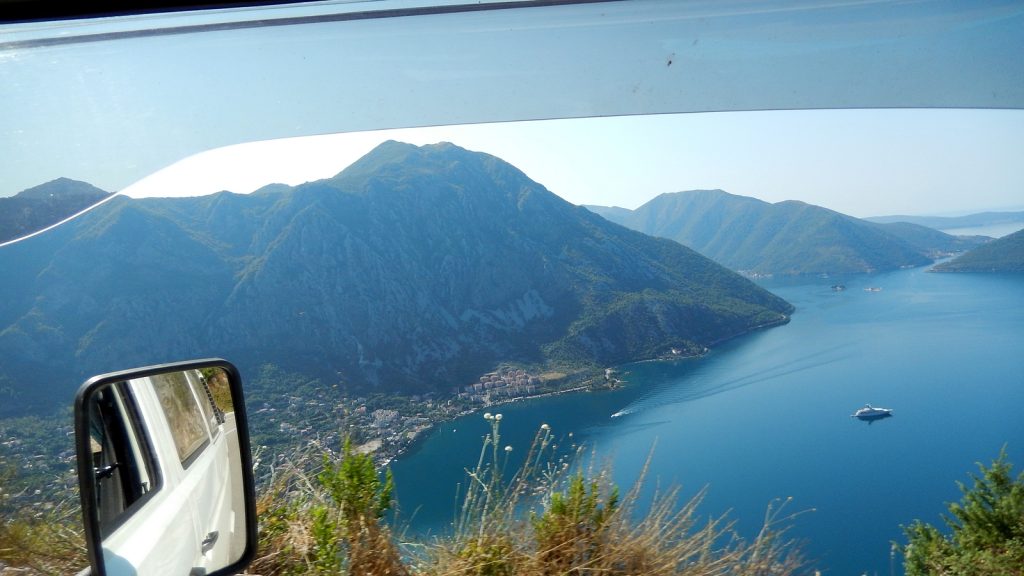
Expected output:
{"points": [[975, 220], [38, 207], [1004, 254], [417, 268], [786, 238]]}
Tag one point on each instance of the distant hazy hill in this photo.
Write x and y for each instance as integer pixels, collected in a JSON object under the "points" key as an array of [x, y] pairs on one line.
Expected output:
{"points": [[1004, 254], [785, 238], [40, 206], [951, 222], [415, 268]]}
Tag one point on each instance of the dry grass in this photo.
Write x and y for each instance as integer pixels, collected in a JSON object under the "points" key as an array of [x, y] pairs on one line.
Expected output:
{"points": [[44, 542], [577, 525], [667, 540]]}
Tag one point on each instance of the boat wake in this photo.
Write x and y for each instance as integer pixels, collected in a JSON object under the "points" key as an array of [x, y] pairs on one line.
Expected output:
{"points": [[705, 383]]}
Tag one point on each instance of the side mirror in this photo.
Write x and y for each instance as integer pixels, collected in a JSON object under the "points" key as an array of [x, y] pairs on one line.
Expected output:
{"points": [[165, 472]]}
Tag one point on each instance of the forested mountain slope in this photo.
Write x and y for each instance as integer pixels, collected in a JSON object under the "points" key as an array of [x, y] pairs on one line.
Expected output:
{"points": [[417, 268], [787, 238]]}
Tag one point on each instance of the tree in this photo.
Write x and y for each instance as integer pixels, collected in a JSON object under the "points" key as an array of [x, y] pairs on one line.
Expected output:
{"points": [[986, 529], [355, 486], [362, 498]]}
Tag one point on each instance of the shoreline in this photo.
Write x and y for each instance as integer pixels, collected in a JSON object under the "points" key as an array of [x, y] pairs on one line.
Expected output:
{"points": [[588, 386], [420, 435]]}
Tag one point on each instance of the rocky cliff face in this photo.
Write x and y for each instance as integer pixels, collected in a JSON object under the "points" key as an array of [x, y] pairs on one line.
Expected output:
{"points": [[415, 268]]}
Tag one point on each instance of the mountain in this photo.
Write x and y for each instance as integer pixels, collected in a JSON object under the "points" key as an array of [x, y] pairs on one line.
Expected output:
{"points": [[950, 222], [787, 238], [41, 206], [1004, 254], [929, 241], [415, 268]]}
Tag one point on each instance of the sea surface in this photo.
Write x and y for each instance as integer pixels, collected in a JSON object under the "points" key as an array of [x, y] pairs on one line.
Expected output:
{"points": [[992, 230], [767, 416]]}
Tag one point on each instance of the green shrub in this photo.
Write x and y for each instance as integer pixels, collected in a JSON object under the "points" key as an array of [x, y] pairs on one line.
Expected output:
{"points": [[574, 528], [327, 523], [354, 485], [986, 529]]}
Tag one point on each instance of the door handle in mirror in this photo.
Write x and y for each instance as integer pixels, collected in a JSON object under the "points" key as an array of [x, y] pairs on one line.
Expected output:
{"points": [[209, 542], [163, 451], [106, 471]]}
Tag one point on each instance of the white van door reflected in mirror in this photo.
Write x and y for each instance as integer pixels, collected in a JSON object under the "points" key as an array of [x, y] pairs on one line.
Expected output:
{"points": [[165, 472]]}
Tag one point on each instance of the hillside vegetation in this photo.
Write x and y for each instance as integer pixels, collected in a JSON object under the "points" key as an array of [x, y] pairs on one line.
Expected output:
{"points": [[1004, 254]]}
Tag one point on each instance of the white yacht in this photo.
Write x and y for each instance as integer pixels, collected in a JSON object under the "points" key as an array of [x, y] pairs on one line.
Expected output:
{"points": [[869, 412]]}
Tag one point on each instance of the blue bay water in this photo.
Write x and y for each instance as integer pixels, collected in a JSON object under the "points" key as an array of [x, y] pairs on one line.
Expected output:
{"points": [[993, 230], [767, 416]]}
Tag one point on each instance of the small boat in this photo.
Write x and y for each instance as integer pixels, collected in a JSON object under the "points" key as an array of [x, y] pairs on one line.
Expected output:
{"points": [[869, 412]]}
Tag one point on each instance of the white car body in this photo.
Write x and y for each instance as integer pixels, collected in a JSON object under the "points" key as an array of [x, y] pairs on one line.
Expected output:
{"points": [[192, 521]]}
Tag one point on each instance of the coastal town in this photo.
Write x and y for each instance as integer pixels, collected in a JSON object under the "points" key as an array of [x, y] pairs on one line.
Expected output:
{"points": [[387, 425], [37, 457]]}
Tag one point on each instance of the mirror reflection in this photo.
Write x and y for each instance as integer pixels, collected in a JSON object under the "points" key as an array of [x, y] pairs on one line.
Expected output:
{"points": [[167, 491]]}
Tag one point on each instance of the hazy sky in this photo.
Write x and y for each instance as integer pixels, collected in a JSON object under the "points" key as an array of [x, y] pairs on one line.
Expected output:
{"points": [[860, 162]]}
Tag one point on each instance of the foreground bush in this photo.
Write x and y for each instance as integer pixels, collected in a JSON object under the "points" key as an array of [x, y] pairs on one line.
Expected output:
{"points": [[986, 530]]}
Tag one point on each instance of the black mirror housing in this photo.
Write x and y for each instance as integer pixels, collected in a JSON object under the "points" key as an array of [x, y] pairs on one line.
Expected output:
{"points": [[165, 469]]}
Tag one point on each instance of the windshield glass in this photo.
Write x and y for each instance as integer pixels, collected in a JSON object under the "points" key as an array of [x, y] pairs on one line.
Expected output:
{"points": [[412, 231]]}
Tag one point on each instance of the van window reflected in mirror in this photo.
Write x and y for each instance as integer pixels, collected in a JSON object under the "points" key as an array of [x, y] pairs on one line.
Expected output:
{"points": [[165, 472], [123, 465], [183, 408]]}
